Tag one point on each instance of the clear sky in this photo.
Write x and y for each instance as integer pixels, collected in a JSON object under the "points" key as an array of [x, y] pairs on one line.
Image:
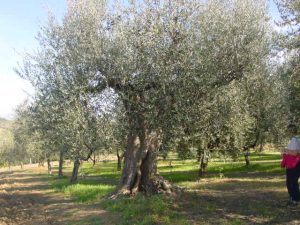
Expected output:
{"points": [[19, 23]]}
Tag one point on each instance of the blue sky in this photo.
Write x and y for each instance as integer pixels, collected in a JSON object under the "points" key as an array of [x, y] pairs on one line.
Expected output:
{"points": [[19, 23]]}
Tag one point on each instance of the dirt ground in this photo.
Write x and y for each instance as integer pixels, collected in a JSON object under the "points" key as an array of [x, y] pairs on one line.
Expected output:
{"points": [[259, 200], [25, 199]]}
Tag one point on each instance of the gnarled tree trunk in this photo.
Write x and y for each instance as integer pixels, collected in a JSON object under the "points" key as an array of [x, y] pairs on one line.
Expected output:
{"points": [[139, 172], [148, 166], [131, 173]]}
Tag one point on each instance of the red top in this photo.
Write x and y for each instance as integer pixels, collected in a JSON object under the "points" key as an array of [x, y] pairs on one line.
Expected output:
{"points": [[289, 161]]}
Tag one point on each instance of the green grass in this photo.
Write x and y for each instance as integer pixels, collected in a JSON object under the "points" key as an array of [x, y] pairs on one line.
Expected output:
{"points": [[230, 193], [187, 170], [143, 210], [84, 191]]}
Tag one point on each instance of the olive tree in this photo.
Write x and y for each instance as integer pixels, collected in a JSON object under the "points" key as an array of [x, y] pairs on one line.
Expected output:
{"points": [[161, 59], [290, 70]]}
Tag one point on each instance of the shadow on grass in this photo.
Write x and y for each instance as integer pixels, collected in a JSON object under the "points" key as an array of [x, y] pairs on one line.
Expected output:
{"points": [[264, 157], [226, 170], [256, 184], [256, 156], [238, 202], [254, 167], [23, 181]]}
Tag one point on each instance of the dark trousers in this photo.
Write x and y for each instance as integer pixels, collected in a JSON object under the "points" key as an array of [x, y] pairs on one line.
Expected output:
{"points": [[292, 177]]}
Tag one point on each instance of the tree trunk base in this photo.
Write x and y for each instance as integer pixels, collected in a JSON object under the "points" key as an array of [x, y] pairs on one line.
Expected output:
{"points": [[157, 185]]}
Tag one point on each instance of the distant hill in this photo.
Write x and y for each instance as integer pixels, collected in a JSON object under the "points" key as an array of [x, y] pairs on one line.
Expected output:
{"points": [[2, 120], [5, 131], [5, 124]]}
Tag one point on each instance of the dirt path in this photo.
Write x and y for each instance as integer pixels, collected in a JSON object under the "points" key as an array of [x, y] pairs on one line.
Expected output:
{"points": [[25, 199]]}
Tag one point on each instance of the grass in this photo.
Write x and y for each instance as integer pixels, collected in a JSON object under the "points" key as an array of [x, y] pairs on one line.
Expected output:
{"points": [[85, 192], [94, 182], [231, 193], [143, 210]]}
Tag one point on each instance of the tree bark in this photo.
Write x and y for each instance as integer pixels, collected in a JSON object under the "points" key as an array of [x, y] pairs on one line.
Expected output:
{"points": [[149, 168], [94, 159], [49, 166], [247, 158], [120, 158], [61, 162], [203, 163], [261, 147], [75, 171], [132, 160], [139, 172]]}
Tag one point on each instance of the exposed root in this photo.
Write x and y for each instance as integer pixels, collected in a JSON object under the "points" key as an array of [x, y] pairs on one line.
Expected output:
{"points": [[157, 185], [119, 194]]}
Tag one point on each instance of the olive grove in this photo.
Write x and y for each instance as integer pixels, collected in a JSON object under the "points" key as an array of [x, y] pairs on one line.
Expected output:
{"points": [[146, 77]]}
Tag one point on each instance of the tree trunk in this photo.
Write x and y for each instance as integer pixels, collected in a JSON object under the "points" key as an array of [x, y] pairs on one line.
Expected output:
{"points": [[132, 160], [261, 147], [94, 159], [247, 158], [203, 169], [41, 163], [199, 154], [139, 172], [203, 163], [49, 166], [61, 162], [75, 171], [149, 169], [120, 158]]}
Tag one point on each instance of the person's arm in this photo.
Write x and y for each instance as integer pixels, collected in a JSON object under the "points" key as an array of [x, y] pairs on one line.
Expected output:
{"points": [[289, 152]]}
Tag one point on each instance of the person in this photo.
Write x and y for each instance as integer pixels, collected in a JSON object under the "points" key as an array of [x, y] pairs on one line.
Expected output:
{"points": [[291, 161]]}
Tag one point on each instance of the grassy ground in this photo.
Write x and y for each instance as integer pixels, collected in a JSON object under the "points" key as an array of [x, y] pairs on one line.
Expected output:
{"points": [[230, 193], [27, 199]]}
